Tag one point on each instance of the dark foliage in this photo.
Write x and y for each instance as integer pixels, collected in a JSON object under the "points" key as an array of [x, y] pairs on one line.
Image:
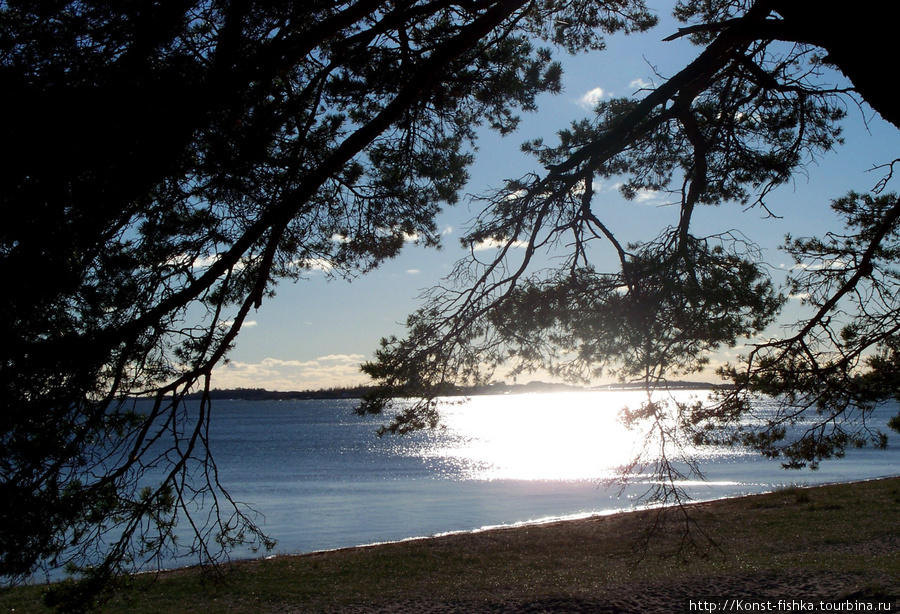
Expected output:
{"points": [[163, 166]]}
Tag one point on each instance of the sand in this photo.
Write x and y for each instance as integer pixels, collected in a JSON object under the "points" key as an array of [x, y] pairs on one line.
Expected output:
{"points": [[782, 552]]}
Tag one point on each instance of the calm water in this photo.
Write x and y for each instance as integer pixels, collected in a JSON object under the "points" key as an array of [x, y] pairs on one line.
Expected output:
{"points": [[322, 479]]}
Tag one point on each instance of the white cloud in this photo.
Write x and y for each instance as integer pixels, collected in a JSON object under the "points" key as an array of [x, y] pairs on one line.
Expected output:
{"points": [[413, 271], [835, 264], [590, 99], [640, 196], [408, 237], [342, 358], [579, 188], [277, 363], [315, 264], [230, 323], [647, 196], [278, 374], [496, 244], [204, 262]]}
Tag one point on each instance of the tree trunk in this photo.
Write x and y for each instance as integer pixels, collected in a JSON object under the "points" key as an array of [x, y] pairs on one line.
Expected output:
{"points": [[860, 40]]}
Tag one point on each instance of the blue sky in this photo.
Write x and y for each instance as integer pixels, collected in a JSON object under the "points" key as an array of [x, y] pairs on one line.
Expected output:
{"points": [[315, 333]]}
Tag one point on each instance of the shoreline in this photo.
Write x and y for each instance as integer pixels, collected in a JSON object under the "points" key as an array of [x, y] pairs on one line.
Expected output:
{"points": [[820, 542], [824, 542], [548, 520]]}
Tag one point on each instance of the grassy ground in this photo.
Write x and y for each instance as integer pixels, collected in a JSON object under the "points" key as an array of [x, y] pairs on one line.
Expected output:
{"points": [[832, 542]]}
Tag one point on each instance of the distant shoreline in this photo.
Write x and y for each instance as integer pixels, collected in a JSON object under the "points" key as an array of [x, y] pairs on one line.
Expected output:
{"points": [[356, 392]]}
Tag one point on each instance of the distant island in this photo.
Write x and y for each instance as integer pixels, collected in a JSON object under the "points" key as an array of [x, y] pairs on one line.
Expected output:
{"points": [[356, 392]]}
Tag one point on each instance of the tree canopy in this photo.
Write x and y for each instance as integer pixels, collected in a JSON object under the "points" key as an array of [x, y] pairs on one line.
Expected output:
{"points": [[164, 165]]}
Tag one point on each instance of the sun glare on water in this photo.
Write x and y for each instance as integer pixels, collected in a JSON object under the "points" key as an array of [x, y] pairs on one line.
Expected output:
{"points": [[561, 436]]}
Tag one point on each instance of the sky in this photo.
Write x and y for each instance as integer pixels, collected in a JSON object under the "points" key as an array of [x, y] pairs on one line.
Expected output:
{"points": [[315, 333]]}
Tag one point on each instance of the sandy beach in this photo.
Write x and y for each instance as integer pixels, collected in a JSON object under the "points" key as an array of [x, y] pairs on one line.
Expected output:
{"points": [[797, 546]]}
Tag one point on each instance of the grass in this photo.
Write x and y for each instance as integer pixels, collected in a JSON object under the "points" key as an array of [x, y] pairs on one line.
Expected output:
{"points": [[849, 530]]}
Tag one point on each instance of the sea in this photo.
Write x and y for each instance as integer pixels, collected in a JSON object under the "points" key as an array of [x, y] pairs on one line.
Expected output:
{"points": [[318, 476]]}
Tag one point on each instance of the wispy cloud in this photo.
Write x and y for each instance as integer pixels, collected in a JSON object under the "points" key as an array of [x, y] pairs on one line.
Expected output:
{"points": [[230, 323], [496, 244], [281, 374], [835, 264], [413, 271], [644, 197], [647, 196], [640, 84], [199, 262]]}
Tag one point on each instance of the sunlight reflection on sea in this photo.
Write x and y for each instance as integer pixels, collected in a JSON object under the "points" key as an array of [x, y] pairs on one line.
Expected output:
{"points": [[547, 436], [320, 478]]}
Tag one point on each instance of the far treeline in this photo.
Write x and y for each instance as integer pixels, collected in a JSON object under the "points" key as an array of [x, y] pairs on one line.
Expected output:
{"points": [[359, 392]]}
